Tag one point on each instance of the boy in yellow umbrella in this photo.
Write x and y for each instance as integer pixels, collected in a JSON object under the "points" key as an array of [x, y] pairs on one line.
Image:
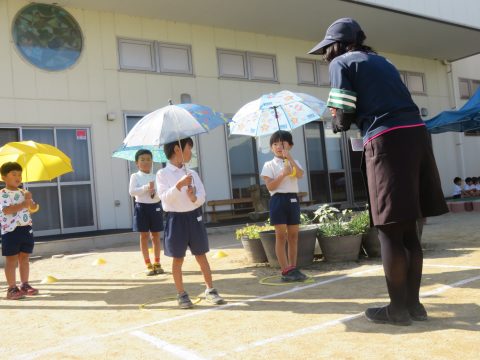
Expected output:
{"points": [[16, 229]]}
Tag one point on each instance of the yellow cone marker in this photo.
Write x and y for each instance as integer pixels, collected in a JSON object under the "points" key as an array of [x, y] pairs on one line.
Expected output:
{"points": [[49, 280], [99, 261], [220, 254], [150, 250]]}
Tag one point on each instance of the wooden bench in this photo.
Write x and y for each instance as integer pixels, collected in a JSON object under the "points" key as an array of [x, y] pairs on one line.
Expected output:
{"points": [[232, 213], [239, 212]]}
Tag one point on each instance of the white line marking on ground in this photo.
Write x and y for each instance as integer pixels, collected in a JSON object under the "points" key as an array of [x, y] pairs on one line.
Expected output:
{"points": [[175, 350], [85, 339], [453, 266], [331, 323]]}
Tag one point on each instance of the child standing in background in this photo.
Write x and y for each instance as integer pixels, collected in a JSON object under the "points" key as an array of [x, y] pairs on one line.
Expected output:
{"points": [[17, 233], [147, 217], [280, 176]]}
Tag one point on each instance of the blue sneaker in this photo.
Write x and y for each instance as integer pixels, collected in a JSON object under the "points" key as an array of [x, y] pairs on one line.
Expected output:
{"points": [[294, 275]]}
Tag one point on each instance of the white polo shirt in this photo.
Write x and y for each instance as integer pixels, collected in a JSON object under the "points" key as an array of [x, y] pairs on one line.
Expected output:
{"points": [[457, 190], [139, 188], [273, 169], [173, 199]]}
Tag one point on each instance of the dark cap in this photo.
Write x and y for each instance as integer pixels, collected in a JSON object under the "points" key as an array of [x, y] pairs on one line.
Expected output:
{"points": [[344, 30]]}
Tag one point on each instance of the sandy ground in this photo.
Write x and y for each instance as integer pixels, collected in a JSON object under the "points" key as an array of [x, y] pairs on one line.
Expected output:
{"points": [[113, 311]]}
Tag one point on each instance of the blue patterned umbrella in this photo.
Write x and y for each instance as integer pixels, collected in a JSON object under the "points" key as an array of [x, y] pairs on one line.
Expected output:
{"points": [[173, 122], [128, 153], [284, 110]]}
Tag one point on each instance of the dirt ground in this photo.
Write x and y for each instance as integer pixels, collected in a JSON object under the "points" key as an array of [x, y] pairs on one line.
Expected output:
{"points": [[113, 311]]}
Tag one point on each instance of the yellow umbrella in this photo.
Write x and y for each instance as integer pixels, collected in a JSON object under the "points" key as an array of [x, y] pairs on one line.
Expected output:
{"points": [[40, 162]]}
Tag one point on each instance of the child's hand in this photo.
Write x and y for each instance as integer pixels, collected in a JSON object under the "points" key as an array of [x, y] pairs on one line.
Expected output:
{"points": [[28, 203], [186, 180], [191, 192], [287, 168], [27, 194]]}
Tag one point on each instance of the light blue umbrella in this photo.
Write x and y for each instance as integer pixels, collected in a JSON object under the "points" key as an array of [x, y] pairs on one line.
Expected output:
{"points": [[284, 110], [128, 153], [172, 123]]}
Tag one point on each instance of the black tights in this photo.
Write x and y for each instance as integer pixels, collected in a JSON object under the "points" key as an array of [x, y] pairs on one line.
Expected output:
{"points": [[402, 258]]}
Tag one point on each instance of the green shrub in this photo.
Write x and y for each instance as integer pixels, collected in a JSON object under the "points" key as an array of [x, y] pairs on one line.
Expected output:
{"points": [[332, 222], [251, 231]]}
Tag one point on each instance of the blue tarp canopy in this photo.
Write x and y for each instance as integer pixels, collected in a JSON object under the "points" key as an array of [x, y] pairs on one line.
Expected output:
{"points": [[465, 119]]}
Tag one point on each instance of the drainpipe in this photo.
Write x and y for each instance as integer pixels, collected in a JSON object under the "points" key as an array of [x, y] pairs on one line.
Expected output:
{"points": [[454, 105]]}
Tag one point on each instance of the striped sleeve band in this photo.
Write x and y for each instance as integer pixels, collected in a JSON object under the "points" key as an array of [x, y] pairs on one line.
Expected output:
{"points": [[342, 99]]}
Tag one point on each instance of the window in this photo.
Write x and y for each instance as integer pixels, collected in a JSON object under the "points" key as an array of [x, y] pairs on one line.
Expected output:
{"points": [[47, 36], [468, 87], [57, 215], [154, 56], [415, 82], [175, 59], [312, 72], [136, 55], [246, 65]]}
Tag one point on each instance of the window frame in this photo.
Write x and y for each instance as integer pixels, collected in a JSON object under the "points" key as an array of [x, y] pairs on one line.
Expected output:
{"points": [[470, 83], [187, 48], [404, 75], [318, 81], [155, 53], [247, 65], [151, 44]]}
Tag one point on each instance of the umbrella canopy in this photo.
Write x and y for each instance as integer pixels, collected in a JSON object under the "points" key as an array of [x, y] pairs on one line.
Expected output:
{"points": [[284, 110], [128, 153], [40, 162], [465, 119], [173, 122]]}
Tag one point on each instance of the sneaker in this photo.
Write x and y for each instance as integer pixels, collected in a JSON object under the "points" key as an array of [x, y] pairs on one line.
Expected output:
{"points": [[417, 312], [150, 271], [211, 295], [294, 275], [381, 315], [14, 294], [26, 289], [158, 269], [184, 301]]}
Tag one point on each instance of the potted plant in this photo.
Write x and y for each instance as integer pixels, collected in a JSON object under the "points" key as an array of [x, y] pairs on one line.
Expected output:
{"points": [[340, 233], [250, 238], [307, 238]]}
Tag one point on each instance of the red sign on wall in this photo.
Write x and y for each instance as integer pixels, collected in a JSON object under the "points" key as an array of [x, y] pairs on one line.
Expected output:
{"points": [[81, 134]]}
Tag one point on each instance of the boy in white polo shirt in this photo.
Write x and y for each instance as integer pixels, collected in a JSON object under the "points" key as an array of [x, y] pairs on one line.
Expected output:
{"points": [[147, 216], [280, 176], [183, 194]]}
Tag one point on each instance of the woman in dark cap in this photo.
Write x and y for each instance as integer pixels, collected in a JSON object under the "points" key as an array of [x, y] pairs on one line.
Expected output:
{"points": [[401, 174]]}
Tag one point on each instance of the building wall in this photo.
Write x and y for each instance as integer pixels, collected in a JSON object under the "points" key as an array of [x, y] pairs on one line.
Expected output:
{"points": [[85, 93]]}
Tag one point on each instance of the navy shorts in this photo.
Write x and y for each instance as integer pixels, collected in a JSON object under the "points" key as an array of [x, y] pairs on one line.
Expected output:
{"points": [[17, 241], [148, 217], [185, 230], [284, 209]]}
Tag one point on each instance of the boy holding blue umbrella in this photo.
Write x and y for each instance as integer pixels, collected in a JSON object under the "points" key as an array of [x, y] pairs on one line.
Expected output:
{"points": [[183, 195]]}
